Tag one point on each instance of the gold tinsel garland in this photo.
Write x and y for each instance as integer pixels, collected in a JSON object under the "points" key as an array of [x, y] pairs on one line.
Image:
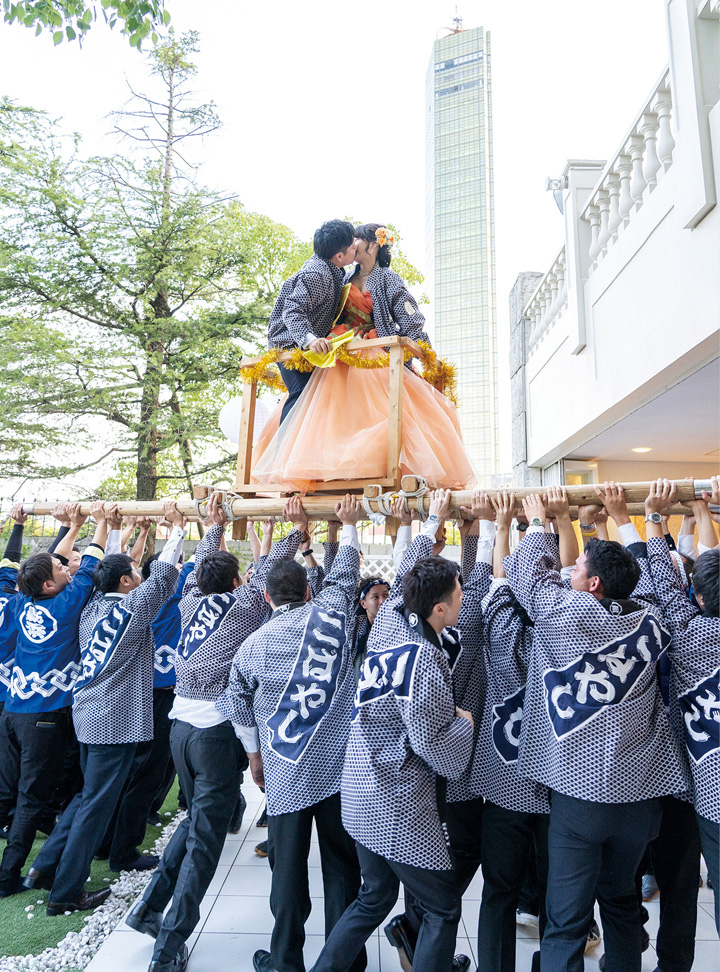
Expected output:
{"points": [[436, 372]]}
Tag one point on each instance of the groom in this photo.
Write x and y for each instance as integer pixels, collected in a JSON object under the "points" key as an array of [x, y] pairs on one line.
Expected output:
{"points": [[305, 309]]}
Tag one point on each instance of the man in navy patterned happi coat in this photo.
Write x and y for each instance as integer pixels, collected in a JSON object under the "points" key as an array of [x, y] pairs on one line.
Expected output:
{"points": [[596, 733], [290, 696], [218, 612], [406, 731]]}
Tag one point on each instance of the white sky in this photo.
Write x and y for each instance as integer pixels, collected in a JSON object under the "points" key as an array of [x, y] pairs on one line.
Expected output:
{"points": [[323, 106]]}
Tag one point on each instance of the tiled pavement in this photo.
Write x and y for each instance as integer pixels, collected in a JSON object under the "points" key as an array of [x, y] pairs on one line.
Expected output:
{"points": [[235, 919]]}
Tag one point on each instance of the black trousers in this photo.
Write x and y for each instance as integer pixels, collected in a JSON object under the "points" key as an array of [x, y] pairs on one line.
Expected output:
{"points": [[69, 850], [464, 823], [675, 859], [594, 850], [127, 830], [295, 382], [437, 894], [510, 838], [209, 763], [289, 837], [32, 745], [710, 838]]}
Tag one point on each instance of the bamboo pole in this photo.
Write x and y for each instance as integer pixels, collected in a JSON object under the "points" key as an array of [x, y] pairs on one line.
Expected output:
{"points": [[322, 507]]}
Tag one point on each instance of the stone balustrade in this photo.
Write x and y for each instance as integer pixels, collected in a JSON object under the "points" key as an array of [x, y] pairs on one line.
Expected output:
{"points": [[631, 176], [549, 301]]}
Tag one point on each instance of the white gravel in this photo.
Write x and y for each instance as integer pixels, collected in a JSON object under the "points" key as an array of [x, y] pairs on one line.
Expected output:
{"points": [[77, 948]]}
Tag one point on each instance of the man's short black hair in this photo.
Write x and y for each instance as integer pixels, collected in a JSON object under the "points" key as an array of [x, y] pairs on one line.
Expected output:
{"points": [[616, 567], [429, 582], [34, 572], [333, 237], [217, 573], [145, 570], [107, 574], [286, 582], [706, 581]]}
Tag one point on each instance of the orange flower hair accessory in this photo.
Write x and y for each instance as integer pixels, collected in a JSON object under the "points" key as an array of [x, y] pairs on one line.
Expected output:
{"points": [[383, 237]]}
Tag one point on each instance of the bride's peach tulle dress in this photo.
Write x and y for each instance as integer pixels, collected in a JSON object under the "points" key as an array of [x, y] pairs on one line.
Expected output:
{"points": [[338, 428]]}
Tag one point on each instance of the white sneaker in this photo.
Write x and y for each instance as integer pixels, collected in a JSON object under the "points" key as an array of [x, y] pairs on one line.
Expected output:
{"points": [[525, 918]]}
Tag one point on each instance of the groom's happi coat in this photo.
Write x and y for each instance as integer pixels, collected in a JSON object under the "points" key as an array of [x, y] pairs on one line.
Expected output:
{"points": [[694, 680], [215, 625], [294, 681], [594, 723], [307, 303], [404, 732], [113, 695]]}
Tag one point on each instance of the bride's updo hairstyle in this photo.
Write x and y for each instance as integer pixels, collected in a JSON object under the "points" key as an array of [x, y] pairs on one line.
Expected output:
{"points": [[367, 232]]}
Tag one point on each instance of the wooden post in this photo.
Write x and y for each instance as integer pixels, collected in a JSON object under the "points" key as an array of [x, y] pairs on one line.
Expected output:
{"points": [[397, 363], [245, 444]]}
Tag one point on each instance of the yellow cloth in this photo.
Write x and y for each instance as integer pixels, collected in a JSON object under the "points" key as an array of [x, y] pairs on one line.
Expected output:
{"points": [[328, 360]]}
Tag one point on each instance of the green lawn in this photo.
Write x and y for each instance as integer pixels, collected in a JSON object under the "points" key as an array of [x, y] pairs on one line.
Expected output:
{"points": [[20, 935]]}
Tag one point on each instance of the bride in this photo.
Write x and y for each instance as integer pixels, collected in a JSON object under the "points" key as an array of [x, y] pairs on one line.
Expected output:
{"points": [[338, 428]]}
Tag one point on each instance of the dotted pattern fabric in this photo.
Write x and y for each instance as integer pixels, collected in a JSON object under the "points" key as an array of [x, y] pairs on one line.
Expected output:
{"points": [[627, 751], [203, 673], [506, 646], [261, 683], [306, 302], [113, 697], [395, 311], [398, 745], [469, 675], [695, 659]]}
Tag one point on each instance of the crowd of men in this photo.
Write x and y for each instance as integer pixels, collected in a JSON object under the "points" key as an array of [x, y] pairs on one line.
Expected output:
{"points": [[548, 714]]}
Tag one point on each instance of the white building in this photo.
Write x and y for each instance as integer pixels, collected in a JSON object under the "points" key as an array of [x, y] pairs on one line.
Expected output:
{"points": [[615, 350]]}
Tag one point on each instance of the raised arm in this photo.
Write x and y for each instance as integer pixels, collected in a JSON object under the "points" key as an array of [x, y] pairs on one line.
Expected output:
{"points": [[404, 534], [530, 569], [677, 608], [558, 505], [254, 540], [707, 537], [76, 521], [340, 584], [13, 551], [504, 504], [60, 513], [138, 549], [422, 545]]}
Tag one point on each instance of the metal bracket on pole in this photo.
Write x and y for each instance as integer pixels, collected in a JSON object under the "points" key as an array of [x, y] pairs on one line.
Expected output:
{"points": [[700, 486]]}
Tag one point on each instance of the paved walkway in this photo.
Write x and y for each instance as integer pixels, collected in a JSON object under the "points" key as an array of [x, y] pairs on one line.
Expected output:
{"points": [[235, 919]]}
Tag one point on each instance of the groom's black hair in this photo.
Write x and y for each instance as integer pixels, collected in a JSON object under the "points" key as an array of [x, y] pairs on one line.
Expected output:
{"points": [[333, 237]]}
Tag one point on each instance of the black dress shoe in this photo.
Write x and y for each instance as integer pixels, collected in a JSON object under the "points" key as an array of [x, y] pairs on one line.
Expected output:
{"points": [[143, 862], [238, 814], [36, 880], [400, 936], [262, 961], [461, 963], [143, 919], [176, 964], [86, 902]]}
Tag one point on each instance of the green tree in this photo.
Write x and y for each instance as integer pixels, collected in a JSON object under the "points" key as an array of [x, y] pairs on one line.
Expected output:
{"points": [[129, 293], [72, 19]]}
